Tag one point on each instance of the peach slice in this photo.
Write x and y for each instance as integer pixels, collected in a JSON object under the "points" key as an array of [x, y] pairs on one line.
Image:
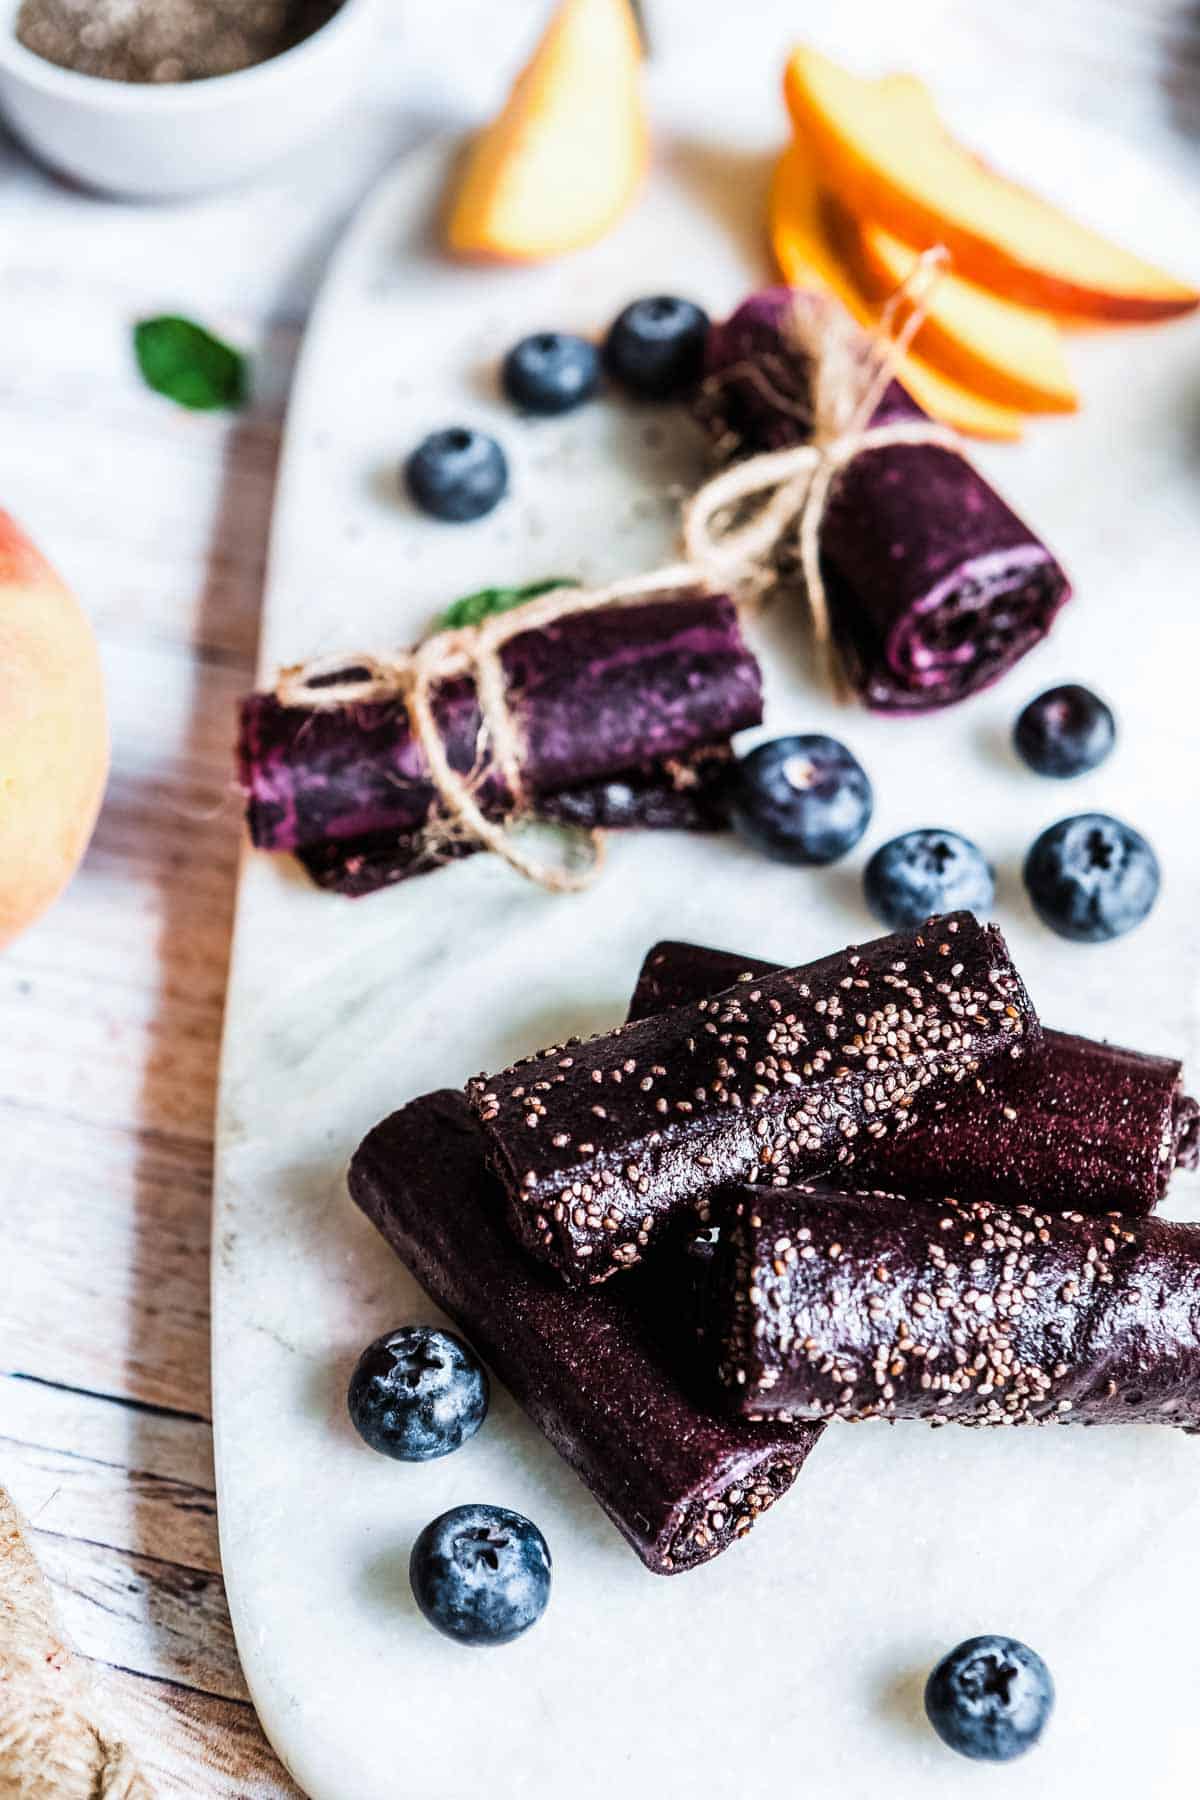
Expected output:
{"points": [[1010, 353], [53, 732], [888, 158], [564, 158], [806, 258]]}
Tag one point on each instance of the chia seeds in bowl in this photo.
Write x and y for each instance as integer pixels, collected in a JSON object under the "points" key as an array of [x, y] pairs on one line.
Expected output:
{"points": [[164, 41], [166, 99]]}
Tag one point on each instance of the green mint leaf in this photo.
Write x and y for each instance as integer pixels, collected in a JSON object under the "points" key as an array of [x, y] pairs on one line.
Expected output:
{"points": [[188, 365], [473, 608]]}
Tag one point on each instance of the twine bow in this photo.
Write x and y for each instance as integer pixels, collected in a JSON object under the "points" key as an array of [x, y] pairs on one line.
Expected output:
{"points": [[414, 676], [849, 374]]}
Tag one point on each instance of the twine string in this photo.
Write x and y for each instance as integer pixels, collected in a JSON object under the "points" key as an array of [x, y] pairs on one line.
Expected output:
{"points": [[850, 376], [414, 676]]}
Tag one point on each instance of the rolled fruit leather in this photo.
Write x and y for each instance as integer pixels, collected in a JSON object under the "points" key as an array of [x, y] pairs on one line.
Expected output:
{"points": [[602, 1145], [856, 1306], [608, 1376], [685, 793], [935, 586], [1078, 1124], [630, 692]]}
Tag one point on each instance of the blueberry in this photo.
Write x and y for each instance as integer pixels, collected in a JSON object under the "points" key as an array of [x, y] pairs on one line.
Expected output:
{"points": [[927, 872], [551, 372], [417, 1393], [1065, 732], [457, 474], [801, 799], [481, 1574], [656, 346], [990, 1698], [1091, 878]]}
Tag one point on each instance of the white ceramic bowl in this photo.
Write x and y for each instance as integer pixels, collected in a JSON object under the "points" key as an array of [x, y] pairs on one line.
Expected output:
{"points": [[159, 141]]}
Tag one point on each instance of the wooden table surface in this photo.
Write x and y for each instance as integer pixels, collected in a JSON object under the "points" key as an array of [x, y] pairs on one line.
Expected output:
{"points": [[112, 1005]]}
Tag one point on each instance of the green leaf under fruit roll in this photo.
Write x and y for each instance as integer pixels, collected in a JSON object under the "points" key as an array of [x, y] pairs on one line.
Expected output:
{"points": [[472, 609]]}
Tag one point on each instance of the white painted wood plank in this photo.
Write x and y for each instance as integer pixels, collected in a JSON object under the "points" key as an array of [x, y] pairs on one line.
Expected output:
{"points": [[112, 1506], [193, 1746], [109, 1473], [118, 1432], [110, 1291], [153, 1617]]}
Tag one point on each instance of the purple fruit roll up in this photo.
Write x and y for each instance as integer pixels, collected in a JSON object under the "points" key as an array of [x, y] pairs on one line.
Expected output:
{"points": [[686, 793], [593, 695], [832, 1305], [935, 586], [1078, 1124], [606, 1376], [601, 1145]]}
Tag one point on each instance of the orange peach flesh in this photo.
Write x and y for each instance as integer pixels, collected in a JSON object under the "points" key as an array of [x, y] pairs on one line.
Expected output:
{"points": [[562, 161], [889, 162], [806, 258]]}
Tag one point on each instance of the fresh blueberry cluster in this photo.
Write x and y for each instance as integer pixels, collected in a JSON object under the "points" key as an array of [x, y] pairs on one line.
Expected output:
{"points": [[654, 350], [807, 800], [480, 1574]]}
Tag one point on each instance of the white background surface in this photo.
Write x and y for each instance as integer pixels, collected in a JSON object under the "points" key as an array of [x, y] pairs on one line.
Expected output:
{"points": [[803, 1650], [112, 1006]]}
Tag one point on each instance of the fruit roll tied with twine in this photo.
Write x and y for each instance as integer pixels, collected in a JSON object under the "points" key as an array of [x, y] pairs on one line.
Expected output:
{"points": [[684, 793], [445, 745], [1079, 1124], [606, 1376], [927, 584], [601, 1145], [860, 1306]]}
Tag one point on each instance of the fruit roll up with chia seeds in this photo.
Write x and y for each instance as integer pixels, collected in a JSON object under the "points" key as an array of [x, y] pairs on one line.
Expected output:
{"points": [[598, 1373], [832, 1305], [686, 793], [935, 587], [631, 692], [1079, 1124], [600, 1145]]}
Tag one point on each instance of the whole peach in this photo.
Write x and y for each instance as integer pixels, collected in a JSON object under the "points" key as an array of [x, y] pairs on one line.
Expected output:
{"points": [[53, 732]]}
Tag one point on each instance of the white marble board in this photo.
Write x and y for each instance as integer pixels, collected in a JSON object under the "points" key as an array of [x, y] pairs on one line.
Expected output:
{"points": [[795, 1661]]}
